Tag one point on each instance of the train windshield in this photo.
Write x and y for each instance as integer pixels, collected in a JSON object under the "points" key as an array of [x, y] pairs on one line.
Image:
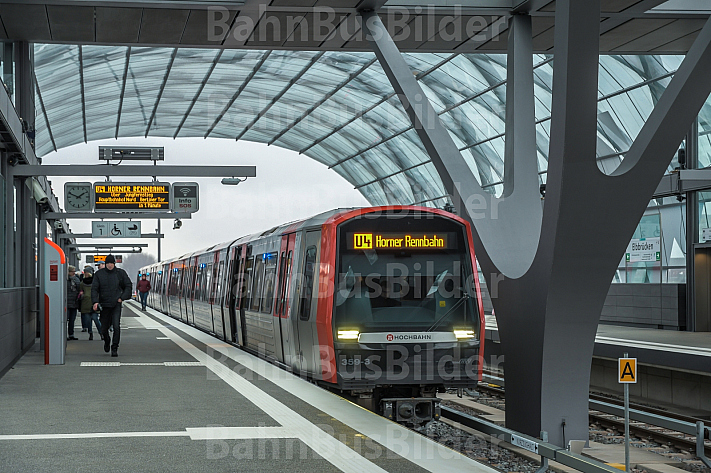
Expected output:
{"points": [[405, 274]]}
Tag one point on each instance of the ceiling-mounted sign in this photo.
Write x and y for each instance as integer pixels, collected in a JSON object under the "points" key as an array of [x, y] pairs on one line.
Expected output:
{"points": [[185, 196], [102, 258], [128, 196], [110, 229], [643, 250]]}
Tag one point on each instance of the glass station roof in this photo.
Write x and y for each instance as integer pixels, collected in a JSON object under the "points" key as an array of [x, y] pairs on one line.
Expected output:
{"points": [[335, 107]]}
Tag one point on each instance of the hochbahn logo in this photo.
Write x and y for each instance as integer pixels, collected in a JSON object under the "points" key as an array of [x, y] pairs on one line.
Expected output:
{"points": [[363, 241], [406, 336]]}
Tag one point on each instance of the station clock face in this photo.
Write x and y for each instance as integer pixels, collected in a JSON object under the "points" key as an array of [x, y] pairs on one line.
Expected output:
{"points": [[77, 196]]}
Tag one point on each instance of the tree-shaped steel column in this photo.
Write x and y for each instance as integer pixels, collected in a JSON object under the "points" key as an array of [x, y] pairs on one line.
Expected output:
{"points": [[549, 270]]}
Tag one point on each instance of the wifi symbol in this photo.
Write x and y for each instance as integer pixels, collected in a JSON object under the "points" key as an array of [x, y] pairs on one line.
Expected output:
{"points": [[185, 191]]}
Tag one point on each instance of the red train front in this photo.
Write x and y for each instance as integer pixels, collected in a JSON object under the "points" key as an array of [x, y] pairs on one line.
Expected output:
{"points": [[382, 303]]}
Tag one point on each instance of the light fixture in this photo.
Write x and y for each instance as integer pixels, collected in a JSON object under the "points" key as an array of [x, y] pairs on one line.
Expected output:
{"points": [[463, 334], [232, 181], [348, 334]]}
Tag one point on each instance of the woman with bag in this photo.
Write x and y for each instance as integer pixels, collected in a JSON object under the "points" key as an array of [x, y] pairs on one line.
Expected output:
{"points": [[86, 302]]}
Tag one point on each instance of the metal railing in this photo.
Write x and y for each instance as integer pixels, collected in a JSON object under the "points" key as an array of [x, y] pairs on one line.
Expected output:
{"points": [[546, 450]]}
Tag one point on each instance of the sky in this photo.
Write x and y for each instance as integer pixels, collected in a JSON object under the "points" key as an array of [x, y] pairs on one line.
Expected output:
{"points": [[288, 187]]}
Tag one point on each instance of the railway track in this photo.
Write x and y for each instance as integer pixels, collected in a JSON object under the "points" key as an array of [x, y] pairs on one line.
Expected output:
{"points": [[644, 431]]}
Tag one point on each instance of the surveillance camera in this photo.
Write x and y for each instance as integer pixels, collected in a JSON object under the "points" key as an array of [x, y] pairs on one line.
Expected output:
{"points": [[177, 224], [58, 225], [43, 200]]}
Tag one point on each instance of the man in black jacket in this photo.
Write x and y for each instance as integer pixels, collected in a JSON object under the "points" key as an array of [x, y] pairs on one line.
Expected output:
{"points": [[111, 286]]}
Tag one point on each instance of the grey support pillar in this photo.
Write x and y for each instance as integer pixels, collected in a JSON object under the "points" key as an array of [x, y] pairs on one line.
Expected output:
{"points": [[551, 270], [692, 227], [24, 82], [41, 235], [9, 227], [3, 235], [27, 212], [510, 242]]}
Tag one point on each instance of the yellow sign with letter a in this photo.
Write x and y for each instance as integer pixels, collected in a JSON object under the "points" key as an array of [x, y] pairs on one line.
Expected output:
{"points": [[627, 370]]}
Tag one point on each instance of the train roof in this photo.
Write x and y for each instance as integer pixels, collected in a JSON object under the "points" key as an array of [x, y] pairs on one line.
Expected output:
{"points": [[313, 221]]}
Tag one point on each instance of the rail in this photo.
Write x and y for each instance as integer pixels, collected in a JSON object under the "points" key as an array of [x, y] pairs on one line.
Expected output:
{"points": [[690, 428], [546, 450]]}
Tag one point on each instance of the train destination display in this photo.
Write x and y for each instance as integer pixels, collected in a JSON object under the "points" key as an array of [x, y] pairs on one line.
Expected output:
{"points": [[144, 196], [414, 241]]}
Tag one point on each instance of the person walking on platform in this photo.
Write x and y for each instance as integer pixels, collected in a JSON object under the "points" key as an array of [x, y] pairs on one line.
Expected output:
{"points": [[72, 295], [87, 306], [110, 287], [143, 287]]}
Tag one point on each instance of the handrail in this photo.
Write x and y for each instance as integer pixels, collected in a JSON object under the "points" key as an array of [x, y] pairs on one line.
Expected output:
{"points": [[18, 287]]}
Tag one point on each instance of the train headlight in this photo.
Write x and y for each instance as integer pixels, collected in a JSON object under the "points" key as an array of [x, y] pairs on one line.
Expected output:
{"points": [[348, 334], [464, 334]]}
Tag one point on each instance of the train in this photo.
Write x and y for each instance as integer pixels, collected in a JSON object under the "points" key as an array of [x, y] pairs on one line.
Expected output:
{"points": [[382, 304]]}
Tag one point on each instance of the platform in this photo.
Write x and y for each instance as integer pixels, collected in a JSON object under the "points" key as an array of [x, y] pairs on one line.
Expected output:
{"points": [[690, 351], [177, 399]]}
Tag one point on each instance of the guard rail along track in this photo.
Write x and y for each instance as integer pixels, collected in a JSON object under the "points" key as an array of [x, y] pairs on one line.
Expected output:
{"points": [[601, 410]]}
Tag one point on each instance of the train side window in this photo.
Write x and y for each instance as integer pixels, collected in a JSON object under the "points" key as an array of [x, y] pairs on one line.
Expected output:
{"points": [[308, 283], [258, 282], [269, 275]]}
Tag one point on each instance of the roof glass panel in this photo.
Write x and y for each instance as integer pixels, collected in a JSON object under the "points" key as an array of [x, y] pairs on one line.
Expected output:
{"points": [[332, 106]]}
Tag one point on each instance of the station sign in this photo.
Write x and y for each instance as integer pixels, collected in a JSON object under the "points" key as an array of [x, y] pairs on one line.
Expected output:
{"points": [[111, 229], [185, 197], [131, 196], [643, 250], [102, 258], [627, 370]]}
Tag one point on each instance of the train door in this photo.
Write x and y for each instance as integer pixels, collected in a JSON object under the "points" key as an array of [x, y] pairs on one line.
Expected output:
{"points": [[307, 288], [236, 294], [215, 292], [286, 257], [165, 281], [180, 277], [185, 290], [190, 290], [229, 292], [222, 287], [245, 299]]}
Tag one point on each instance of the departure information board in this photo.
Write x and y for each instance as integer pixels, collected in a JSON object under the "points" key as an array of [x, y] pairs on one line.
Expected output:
{"points": [[102, 258], [122, 196]]}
